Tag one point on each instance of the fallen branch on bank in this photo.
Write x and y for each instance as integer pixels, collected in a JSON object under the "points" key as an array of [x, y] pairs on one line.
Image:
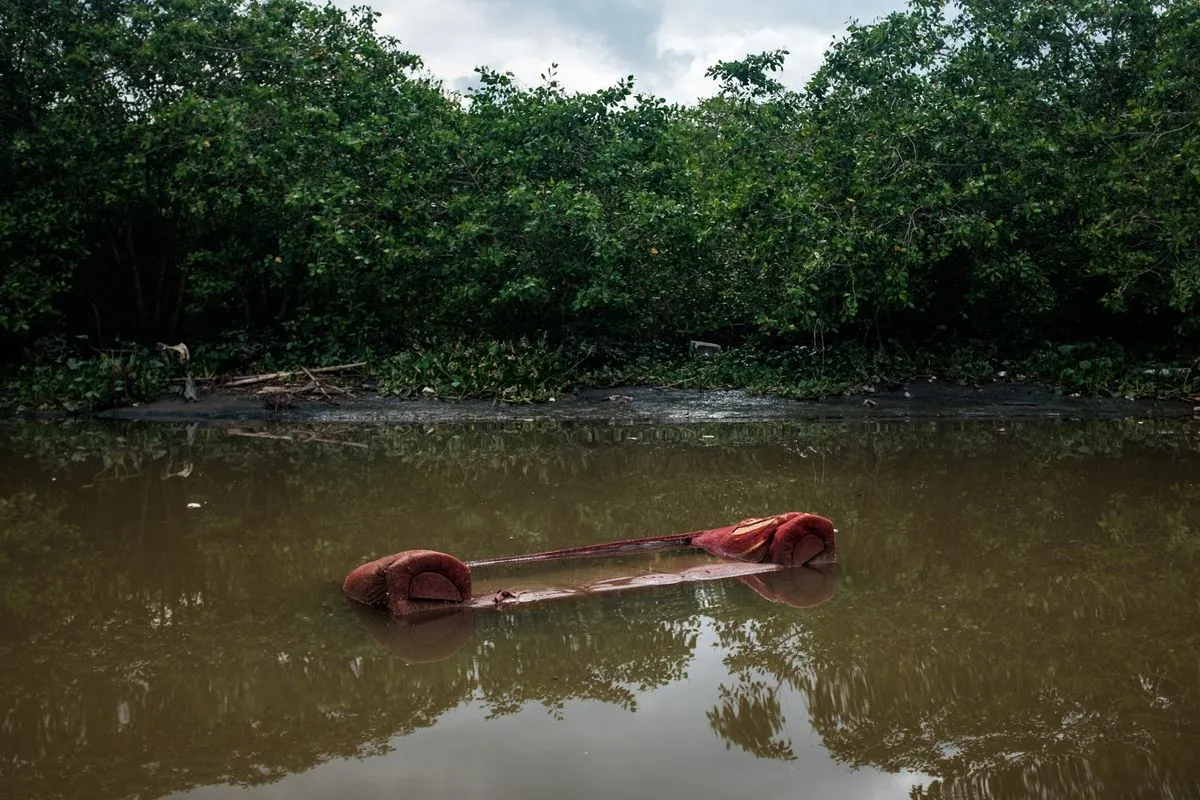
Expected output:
{"points": [[251, 380], [312, 386]]}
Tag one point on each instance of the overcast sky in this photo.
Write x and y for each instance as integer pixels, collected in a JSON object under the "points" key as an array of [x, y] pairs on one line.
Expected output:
{"points": [[665, 44]]}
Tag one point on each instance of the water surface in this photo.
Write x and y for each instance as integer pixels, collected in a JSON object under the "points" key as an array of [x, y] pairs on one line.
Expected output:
{"points": [[1014, 614]]}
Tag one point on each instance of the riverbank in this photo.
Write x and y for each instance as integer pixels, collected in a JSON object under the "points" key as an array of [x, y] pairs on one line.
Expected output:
{"points": [[499, 382], [915, 400]]}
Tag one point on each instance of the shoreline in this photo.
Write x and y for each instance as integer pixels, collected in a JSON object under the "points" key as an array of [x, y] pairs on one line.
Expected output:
{"points": [[632, 404]]}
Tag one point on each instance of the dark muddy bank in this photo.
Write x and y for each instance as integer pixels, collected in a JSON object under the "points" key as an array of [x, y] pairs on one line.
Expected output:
{"points": [[645, 404]]}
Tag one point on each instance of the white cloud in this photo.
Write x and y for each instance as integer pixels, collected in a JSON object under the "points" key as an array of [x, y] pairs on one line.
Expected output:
{"points": [[693, 51], [455, 36], [665, 44]]}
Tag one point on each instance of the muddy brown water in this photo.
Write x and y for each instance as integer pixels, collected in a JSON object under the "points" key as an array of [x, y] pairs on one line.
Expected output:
{"points": [[1014, 614]]}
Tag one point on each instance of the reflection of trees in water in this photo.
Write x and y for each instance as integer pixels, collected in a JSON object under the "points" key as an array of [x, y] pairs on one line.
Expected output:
{"points": [[1050, 649], [581, 652], [991, 715], [750, 716], [1004, 618], [149, 699]]}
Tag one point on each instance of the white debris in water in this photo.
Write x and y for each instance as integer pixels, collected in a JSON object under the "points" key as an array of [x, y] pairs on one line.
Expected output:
{"points": [[193, 505]]}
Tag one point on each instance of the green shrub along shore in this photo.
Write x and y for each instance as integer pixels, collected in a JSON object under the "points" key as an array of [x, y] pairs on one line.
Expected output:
{"points": [[1006, 189]]}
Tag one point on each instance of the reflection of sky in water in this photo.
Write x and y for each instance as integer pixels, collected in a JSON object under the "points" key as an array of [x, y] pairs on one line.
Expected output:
{"points": [[664, 749]]}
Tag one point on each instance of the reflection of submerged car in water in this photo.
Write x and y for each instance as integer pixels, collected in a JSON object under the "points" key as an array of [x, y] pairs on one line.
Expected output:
{"points": [[438, 633], [787, 558]]}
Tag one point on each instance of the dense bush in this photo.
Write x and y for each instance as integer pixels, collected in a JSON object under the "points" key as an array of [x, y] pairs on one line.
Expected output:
{"points": [[277, 178]]}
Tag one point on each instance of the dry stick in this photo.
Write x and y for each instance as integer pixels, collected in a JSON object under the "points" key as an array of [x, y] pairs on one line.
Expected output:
{"points": [[269, 390], [312, 386], [318, 385], [250, 380], [305, 389]]}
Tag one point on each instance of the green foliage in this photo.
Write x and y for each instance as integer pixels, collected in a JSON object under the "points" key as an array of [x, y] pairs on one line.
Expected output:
{"points": [[802, 372], [205, 167], [794, 372], [73, 381], [748, 77], [277, 180], [1107, 369], [980, 169], [516, 372]]}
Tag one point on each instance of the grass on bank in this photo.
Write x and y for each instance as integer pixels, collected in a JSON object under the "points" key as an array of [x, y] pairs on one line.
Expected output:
{"points": [[535, 371]]}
